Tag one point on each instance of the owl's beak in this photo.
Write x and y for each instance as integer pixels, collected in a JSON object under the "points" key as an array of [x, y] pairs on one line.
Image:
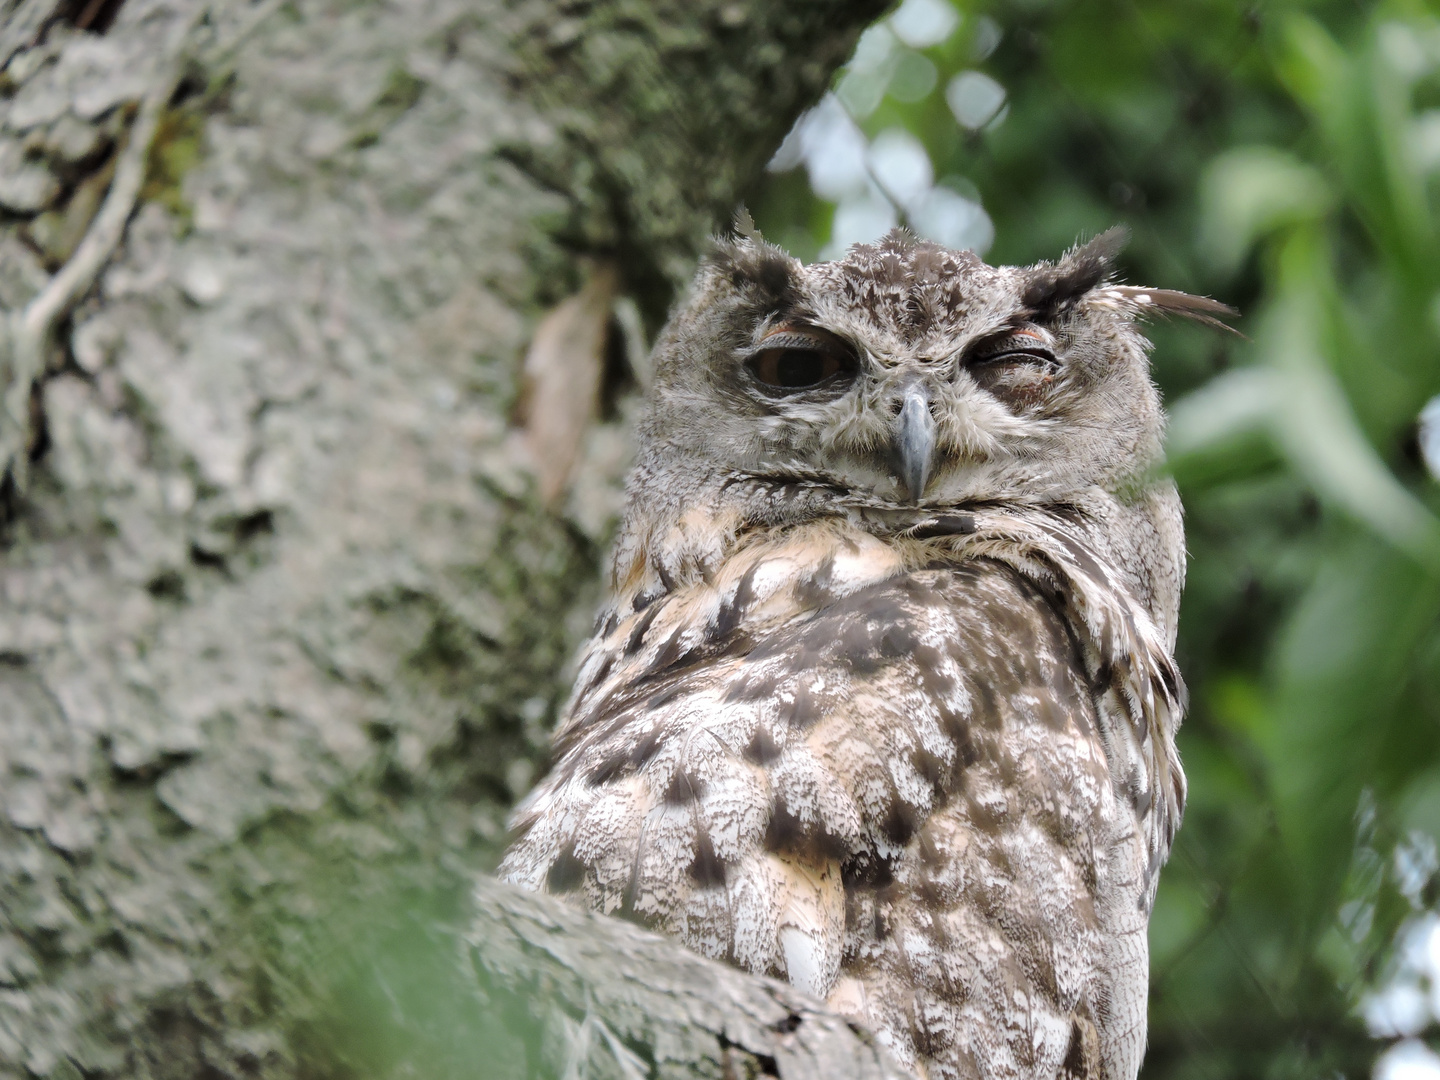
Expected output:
{"points": [[914, 441]]}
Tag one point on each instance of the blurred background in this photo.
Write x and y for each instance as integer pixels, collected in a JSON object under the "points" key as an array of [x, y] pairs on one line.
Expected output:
{"points": [[1284, 158]]}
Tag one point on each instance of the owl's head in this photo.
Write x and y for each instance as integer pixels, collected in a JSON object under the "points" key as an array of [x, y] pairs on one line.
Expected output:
{"points": [[892, 386], [905, 375]]}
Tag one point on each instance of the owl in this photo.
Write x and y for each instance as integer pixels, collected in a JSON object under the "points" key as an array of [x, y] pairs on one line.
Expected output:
{"points": [[883, 701]]}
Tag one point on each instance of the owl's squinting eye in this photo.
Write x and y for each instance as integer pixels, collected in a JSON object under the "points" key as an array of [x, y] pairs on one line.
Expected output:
{"points": [[793, 359], [1017, 366], [1019, 346]]}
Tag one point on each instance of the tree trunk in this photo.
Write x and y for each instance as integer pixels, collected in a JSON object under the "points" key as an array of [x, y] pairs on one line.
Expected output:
{"points": [[285, 614]]}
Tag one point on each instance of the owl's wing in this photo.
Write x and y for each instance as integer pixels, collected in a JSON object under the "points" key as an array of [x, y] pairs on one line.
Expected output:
{"points": [[1008, 939], [895, 794]]}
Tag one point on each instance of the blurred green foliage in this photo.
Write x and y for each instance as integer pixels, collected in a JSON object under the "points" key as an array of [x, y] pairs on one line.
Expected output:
{"points": [[1284, 157]]}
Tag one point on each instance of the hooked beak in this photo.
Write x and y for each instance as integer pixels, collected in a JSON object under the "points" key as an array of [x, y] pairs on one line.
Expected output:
{"points": [[914, 441]]}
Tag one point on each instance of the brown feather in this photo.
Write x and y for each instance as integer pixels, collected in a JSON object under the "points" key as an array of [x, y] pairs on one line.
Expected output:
{"points": [[1200, 309]]}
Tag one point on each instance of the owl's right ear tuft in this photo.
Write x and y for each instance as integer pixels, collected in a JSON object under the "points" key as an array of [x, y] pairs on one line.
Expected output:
{"points": [[752, 265], [1051, 287]]}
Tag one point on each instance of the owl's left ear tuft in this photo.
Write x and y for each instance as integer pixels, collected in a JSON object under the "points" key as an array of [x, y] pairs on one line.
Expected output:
{"points": [[1053, 286], [751, 264], [744, 225]]}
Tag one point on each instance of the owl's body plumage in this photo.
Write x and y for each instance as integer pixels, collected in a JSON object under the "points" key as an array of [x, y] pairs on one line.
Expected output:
{"points": [[883, 701]]}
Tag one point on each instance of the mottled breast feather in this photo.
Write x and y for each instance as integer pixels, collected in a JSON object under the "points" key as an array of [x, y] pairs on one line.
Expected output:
{"points": [[929, 778]]}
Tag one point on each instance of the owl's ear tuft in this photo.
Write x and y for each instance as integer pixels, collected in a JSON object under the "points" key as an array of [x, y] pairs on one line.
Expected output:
{"points": [[752, 265], [744, 225], [1053, 286]]}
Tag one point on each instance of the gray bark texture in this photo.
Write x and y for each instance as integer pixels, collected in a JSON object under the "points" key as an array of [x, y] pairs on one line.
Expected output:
{"points": [[286, 591]]}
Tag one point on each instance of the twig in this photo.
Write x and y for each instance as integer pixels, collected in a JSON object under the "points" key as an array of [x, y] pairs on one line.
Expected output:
{"points": [[222, 53], [31, 329], [631, 1067]]}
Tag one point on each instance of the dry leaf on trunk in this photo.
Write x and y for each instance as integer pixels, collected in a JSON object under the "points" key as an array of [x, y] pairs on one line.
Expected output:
{"points": [[563, 371]]}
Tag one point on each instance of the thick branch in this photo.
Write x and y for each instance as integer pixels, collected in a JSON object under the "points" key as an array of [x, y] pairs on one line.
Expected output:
{"points": [[646, 995]]}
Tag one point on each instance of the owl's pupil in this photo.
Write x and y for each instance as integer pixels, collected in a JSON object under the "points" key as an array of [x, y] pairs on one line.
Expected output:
{"points": [[795, 369], [799, 368]]}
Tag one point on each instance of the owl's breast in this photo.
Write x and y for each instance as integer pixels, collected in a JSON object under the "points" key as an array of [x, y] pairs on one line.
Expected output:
{"points": [[888, 785]]}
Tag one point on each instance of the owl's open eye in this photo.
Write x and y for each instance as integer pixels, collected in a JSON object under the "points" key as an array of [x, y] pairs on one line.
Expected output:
{"points": [[791, 359]]}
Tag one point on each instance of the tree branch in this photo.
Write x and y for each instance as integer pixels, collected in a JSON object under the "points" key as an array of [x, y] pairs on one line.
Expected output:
{"points": [[682, 1014]]}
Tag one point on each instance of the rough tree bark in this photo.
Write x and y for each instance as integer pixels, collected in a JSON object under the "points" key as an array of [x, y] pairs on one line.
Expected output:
{"points": [[284, 618]]}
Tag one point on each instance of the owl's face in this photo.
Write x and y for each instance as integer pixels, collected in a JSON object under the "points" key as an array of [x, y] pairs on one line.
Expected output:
{"points": [[908, 374]]}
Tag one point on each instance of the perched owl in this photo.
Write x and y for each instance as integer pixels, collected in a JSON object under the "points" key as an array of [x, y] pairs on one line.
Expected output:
{"points": [[883, 702]]}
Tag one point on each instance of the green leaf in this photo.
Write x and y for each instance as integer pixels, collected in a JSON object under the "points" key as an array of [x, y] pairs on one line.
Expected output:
{"points": [[1249, 192], [1310, 64], [1227, 408], [1340, 669], [1317, 430]]}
